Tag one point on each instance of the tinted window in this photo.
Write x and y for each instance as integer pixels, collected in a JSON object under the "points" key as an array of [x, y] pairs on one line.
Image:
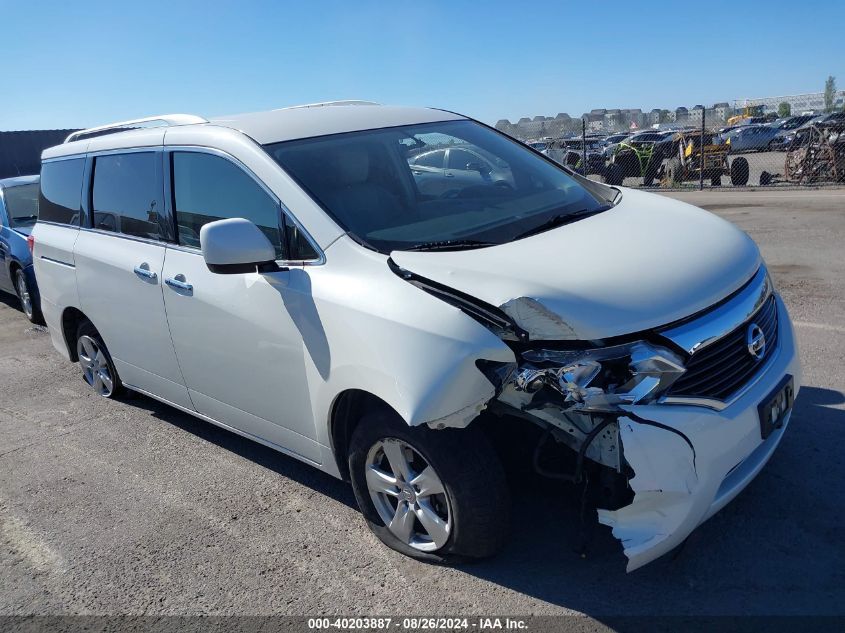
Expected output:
{"points": [[22, 204], [432, 159], [364, 181], [208, 188], [297, 244], [61, 191], [126, 194], [460, 159]]}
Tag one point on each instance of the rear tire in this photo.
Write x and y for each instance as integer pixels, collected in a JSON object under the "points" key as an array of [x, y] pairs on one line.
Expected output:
{"points": [[739, 172], [98, 370], [615, 175], [466, 513], [651, 170], [29, 304]]}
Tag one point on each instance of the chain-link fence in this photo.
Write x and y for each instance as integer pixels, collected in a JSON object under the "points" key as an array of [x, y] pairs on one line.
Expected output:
{"points": [[794, 140]]}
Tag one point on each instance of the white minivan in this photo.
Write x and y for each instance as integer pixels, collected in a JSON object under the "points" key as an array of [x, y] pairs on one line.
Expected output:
{"points": [[399, 296]]}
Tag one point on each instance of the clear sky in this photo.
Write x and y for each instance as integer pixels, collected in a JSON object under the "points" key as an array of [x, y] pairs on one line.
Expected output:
{"points": [[79, 63]]}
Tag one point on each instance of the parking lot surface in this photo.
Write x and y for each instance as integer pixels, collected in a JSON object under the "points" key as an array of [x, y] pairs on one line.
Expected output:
{"points": [[134, 508]]}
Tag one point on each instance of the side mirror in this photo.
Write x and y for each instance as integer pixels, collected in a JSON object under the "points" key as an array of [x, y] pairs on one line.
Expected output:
{"points": [[235, 246]]}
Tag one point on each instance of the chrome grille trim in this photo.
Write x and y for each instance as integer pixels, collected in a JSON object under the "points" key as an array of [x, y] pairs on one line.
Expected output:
{"points": [[696, 334], [723, 371]]}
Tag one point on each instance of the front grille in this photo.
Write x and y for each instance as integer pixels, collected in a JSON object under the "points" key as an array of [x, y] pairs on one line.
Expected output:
{"points": [[722, 368]]}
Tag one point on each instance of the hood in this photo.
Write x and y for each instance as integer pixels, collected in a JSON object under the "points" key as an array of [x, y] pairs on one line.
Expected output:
{"points": [[647, 262], [24, 230]]}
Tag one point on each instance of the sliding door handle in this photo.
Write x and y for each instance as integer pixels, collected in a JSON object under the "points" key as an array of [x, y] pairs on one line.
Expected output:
{"points": [[144, 271]]}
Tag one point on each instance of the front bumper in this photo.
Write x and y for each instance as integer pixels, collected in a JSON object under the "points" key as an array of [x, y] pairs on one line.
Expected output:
{"points": [[676, 489]]}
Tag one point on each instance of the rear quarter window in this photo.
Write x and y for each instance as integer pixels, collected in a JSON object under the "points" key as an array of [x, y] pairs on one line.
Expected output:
{"points": [[61, 191]]}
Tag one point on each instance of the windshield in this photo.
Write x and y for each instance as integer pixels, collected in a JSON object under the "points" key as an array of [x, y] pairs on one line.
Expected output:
{"points": [[22, 204], [455, 183]]}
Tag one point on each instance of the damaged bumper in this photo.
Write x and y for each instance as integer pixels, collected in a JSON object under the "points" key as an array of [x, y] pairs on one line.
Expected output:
{"points": [[688, 461], [676, 491]]}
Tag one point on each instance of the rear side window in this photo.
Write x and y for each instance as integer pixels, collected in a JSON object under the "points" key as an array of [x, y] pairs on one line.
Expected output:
{"points": [[61, 191], [126, 195], [208, 188], [22, 204]]}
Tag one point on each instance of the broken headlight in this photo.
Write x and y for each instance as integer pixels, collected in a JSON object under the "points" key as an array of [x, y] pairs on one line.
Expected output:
{"points": [[601, 378]]}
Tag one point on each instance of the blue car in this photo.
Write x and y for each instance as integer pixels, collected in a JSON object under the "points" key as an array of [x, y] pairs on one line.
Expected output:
{"points": [[18, 213]]}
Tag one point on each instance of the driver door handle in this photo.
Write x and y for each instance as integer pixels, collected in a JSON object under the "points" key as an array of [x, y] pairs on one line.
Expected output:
{"points": [[179, 284]]}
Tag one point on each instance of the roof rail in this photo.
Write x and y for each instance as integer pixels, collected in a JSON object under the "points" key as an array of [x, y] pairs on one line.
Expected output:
{"points": [[342, 102], [166, 119]]}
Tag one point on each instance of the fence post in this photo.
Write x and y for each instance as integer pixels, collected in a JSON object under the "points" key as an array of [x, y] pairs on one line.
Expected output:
{"points": [[584, 147], [701, 170]]}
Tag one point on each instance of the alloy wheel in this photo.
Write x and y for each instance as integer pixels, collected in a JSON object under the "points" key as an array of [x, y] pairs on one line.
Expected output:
{"points": [[95, 366], [408, 495], [23, 294]]}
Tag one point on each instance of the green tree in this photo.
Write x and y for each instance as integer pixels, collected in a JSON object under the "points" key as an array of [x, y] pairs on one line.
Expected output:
{"points": [[829, 93], [784, 109]]}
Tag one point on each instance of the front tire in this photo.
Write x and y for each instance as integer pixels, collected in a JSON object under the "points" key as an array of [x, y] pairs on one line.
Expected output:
{"points": [[98, 370], [438, 496]]}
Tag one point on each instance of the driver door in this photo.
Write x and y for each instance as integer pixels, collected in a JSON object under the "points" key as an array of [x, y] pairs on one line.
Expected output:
{"points": [[240, 350]]}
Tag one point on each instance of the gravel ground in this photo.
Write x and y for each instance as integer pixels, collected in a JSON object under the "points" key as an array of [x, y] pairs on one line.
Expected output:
{"points": [[134, 508]]}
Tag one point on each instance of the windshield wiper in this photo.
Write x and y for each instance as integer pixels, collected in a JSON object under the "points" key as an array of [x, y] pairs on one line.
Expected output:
{"points": [[23, 218], [559, 220], [448, 245]]}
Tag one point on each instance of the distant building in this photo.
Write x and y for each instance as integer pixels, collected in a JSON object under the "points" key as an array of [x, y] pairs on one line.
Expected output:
{"points": [[606, 120], [722, 110], [696, 115], [810, 103]]}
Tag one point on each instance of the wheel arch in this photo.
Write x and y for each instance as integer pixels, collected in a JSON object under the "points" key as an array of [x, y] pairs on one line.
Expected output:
{"points": [[346, 412], [71, 318]]}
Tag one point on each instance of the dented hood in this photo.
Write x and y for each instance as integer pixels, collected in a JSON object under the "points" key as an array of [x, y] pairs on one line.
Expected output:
{"points": [[647, 262]]}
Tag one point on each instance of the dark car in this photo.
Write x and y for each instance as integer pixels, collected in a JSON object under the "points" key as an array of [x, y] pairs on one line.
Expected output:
{"points": [[18, 213], [750, 138], [570, 152], [786, 131], [611, 143], [640, 156]]}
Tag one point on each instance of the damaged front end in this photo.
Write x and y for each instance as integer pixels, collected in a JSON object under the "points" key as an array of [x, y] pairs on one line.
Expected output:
{"points": [[578, 391], [586, 400], [674, 460]]}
